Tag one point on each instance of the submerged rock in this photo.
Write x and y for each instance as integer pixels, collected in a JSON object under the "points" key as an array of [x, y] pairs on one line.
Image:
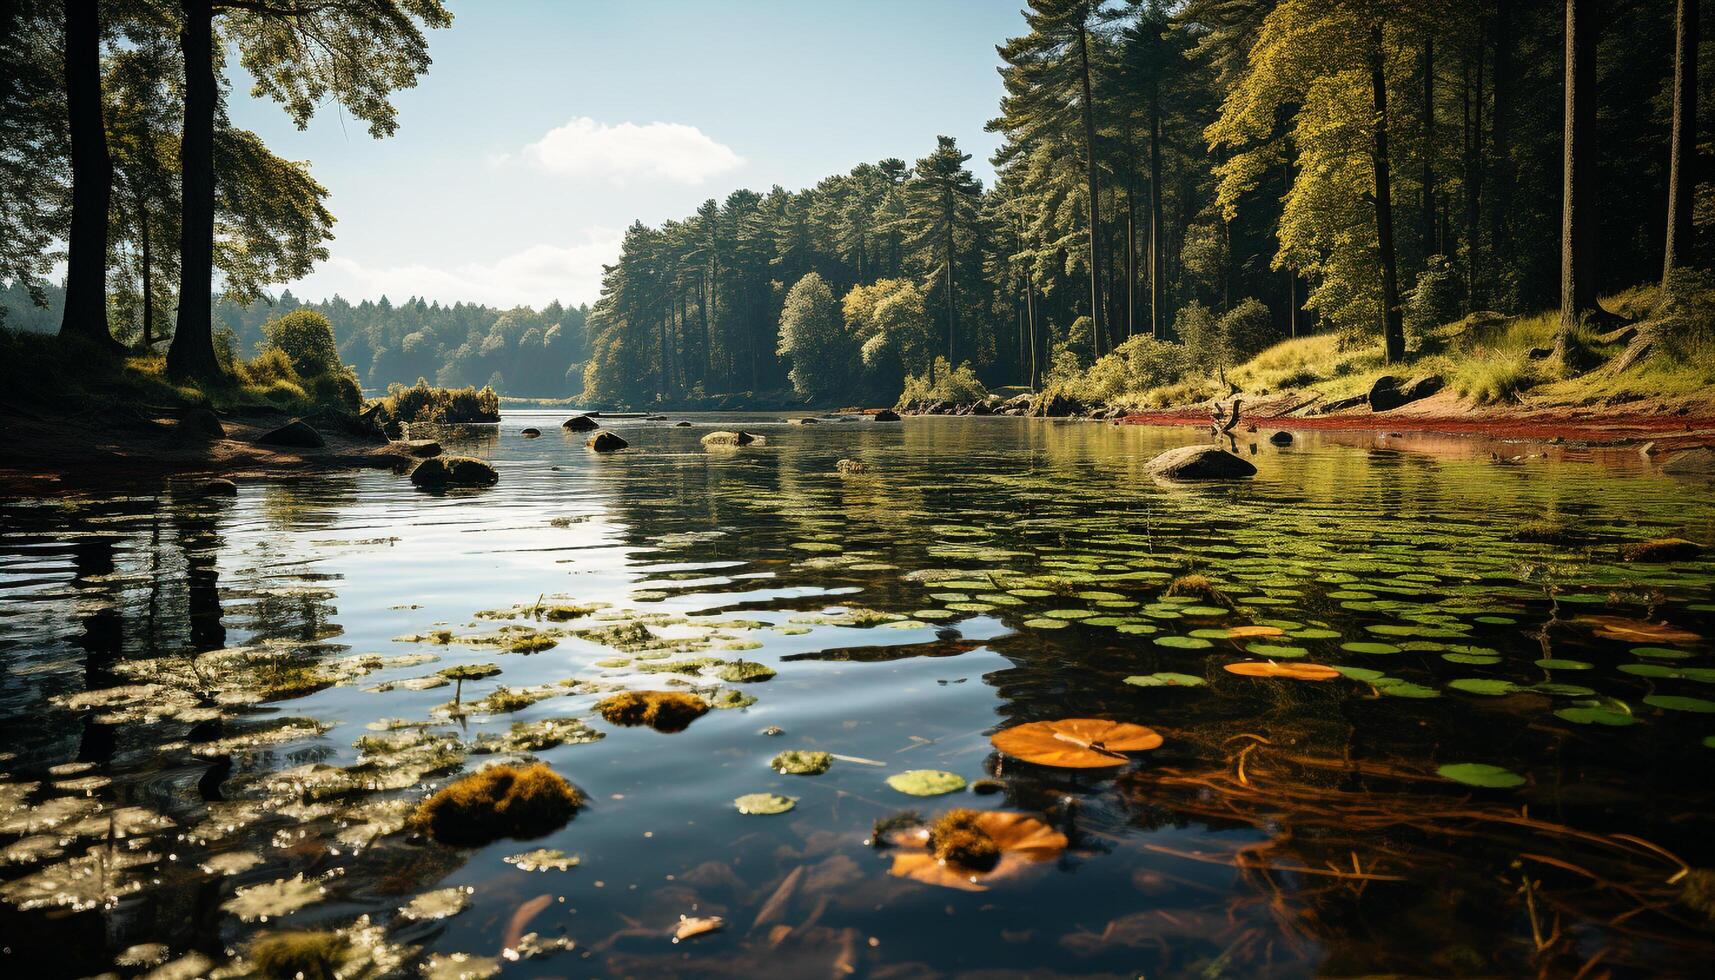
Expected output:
{"points": [[1661, 549], [200, 423], [605, 442], [1200, 463], [723, 438], [296, 434], [454, 471], [530, 433], [499, 801], [1281, 438], [421, 448], [580, 423]]}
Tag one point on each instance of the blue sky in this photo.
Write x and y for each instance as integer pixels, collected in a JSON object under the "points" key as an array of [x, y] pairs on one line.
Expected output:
{"points": [[544, 128]]}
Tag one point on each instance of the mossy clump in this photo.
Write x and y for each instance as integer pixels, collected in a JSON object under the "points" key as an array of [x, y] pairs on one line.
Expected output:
{"points": [[469, 672], [743, 672], [500, 801], [1698, 892], [851, 467], [882, 831], [1545, 531], [454, 471], [281, 680], [312, 954], [664, 711], [1196, 587], [1661, 549], [957, 838]]}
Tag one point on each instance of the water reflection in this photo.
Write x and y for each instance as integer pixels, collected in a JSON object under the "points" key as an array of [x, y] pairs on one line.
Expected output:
{"points": [[981, 573]]}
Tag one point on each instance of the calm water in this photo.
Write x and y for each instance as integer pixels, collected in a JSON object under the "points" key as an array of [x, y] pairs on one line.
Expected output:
{"points": [[984, 573]]}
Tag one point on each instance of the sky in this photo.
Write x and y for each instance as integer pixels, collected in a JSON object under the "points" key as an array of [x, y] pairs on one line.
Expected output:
{"points": [[545, 127]]}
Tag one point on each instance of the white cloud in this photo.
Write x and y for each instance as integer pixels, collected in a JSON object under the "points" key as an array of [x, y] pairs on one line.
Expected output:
{"points": [[658, 150], [531, 277]]}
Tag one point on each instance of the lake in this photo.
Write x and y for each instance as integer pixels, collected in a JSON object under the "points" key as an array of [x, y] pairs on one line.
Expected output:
{"points": [[1505, 772]]}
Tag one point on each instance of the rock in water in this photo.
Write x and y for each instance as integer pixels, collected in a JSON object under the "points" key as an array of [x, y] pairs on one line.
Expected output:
{"points": [[219, 488], [200, 423], [851, 466], [885, 415], [739, 438], [454, 471], [580, 423], [1200, 463], [1662, 549], [605, 442], [295, 434], [1281, 438], [681, 425], [530, 433], [421, 448]]}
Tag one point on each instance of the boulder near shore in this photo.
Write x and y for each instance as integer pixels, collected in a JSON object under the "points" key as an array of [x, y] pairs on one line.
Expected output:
{"points": [[454, 471], [1200, 463], [580, 423], [296, 434], [605, 442]]}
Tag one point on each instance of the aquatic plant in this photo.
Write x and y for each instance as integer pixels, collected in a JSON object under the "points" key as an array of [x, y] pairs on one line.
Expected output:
{"points": [[310, 954], [664, 711], [498, 801], [957, 838], [1075, 743], [801, 762]]}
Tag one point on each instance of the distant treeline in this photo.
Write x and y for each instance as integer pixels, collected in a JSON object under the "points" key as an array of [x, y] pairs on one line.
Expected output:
{"points": [[521, 351]]}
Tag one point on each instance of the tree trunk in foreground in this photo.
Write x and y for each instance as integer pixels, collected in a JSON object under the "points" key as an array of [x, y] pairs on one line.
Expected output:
{"points": [[91, 180], [192, 351], [1682, 169], [1578, 184], [1393, 327]]}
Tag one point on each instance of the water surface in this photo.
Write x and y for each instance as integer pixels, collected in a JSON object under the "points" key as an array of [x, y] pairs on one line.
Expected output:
{"points": [[982, 574]]}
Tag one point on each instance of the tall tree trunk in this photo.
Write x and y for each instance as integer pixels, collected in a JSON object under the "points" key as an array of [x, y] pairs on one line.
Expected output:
{"points": [[1030, 317], [192, 351], [1393, 328], [952, 296], [1682, 163], [1474, 189], [1131, 255], [1578, 184], [1426, 223], [91, 179], [703, 293], [1500, 135], [148, 275], [1094, 189], [1155, 257]]}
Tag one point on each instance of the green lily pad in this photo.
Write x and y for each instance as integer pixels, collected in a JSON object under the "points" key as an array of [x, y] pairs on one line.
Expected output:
{"points": [[1555, 663], [1484, 686], [1165, 678], [1661, 653], [764, 803], [1369, 647], [1182, 642], [1276, 651], [1674, 702], [926, 782], [1595, 714], [1481, 774]]}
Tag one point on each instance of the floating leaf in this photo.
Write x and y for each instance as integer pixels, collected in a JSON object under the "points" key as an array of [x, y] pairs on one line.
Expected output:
{"points": [[1183, 642], [926, 782], [764, 803], [1292, 671], [1369, 647], [1673, 702], [1597, 713], [1165, 678], [1023, 841], [1637, 630], [282, 897], [1481, 774], [1075, 743], [1484, 686], [442, 903], [543, 859]]}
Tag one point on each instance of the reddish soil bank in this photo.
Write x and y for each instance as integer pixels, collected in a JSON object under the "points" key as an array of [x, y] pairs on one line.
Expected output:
{"points": [[1668, 431], [116, 448]]}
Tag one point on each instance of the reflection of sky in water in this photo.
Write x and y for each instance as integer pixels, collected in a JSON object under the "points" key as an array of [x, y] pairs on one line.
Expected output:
{"points": [[1415, 543]]}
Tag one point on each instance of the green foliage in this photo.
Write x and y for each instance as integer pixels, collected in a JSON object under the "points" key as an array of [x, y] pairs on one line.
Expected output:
{"points": [[1135, 367], [957, 385], [423, 402], [813, 339], [305, 338], [1684, 317], [1436, 299]]}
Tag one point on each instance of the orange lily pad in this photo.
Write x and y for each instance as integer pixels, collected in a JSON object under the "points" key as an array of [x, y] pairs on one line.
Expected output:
{"points": [[1250, 632], [1290, 671], [1024, 841], [1075, 743], [1637, 630]]}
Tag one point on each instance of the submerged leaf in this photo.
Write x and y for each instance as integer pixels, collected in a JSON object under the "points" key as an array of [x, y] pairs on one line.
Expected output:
{"points": [[1481, 774]]}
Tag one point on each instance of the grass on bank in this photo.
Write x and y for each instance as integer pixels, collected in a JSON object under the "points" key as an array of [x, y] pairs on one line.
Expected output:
{"points": [[44, 371], [1484, 360]]}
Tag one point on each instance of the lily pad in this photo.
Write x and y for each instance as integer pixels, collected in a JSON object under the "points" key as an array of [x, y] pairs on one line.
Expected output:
{"points": [[1165, 678], [1674, 702], [1481, 774], [926, 782], [1075, 743], [764, 803]]}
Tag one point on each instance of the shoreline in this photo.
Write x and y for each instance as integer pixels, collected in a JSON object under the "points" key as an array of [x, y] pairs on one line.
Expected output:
{"points": [[1546, 426]]}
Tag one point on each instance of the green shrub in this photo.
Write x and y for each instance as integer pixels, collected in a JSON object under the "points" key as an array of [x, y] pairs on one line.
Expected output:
{"points": [[423, 402], [1194, 325], [958, 385], [1685, 316], [306, 337], [1245, 331], [1436, 299], [1136, 366]]}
